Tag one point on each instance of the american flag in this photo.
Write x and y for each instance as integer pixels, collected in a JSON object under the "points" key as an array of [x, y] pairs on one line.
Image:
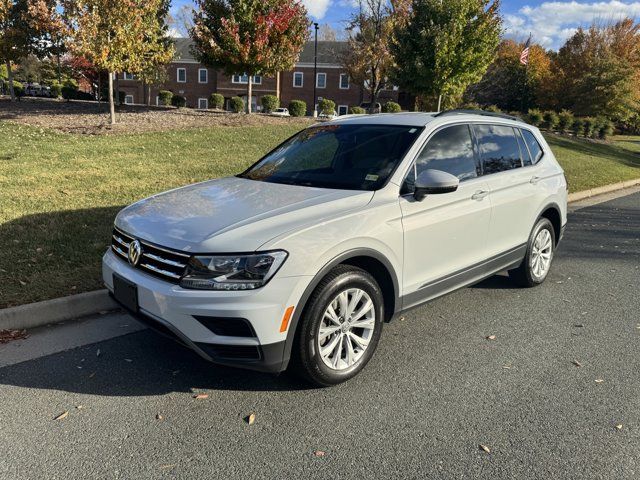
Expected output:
{"points": [[524, 56]]}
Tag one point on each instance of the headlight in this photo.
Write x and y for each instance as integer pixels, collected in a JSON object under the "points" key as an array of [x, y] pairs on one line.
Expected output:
{"points": [[232, 272]]}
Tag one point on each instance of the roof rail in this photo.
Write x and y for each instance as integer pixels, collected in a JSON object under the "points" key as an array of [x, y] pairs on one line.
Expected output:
{"points": [[462, 111]]}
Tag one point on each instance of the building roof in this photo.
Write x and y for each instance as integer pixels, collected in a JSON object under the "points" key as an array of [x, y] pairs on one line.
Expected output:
{"points": [[328, 52]]}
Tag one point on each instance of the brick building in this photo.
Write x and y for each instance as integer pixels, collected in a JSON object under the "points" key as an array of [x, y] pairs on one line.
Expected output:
{"points": [[196, 82]]}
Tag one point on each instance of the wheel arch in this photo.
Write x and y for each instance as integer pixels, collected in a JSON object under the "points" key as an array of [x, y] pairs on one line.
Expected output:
{"points": [[553, 213], [367, 259]]}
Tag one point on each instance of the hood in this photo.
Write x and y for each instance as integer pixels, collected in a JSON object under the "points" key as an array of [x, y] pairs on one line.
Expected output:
{"points": [[232, 214]]}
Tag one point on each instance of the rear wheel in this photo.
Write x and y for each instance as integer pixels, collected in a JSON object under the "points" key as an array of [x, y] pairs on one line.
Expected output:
{"points": [[340, 327], [537, 262]]}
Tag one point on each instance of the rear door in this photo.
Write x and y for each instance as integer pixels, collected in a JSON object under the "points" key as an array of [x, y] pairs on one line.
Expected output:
{"points": [[512, 186], [444, 233]]}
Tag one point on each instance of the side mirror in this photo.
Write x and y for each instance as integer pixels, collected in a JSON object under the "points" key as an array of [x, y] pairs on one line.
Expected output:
{"points": [[432, 182]]}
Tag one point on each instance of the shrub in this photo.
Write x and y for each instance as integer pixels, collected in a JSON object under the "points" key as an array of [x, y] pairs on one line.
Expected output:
{"points": [[550, 120], [326, 106], [79, 95], [56, 90], [269, 103], [217, 101], [18, 89], [470, 106], [391, 107], [535, 117], [606, 128], [357, 111], [297, 108], [237, 105], [69, 89], [578, 126], [178, 101], [165, 97], [492, 108], [589, 126], [565, 120]]}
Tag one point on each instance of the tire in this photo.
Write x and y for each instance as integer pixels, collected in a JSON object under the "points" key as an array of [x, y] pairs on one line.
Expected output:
{"points": [[308, 360], [527, 275]]}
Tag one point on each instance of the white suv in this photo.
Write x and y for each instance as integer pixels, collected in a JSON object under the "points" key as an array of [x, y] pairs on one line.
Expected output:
{"points": [[301, 258]]}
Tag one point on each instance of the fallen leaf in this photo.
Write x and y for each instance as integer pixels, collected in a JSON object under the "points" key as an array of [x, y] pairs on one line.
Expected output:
{"points": [[506, 367], [98, 353], [577, 363], [201, 396], [319, 453], [7, 336], [128, 360], [491, 337], [62, 416], [79, 407], [599, 380], [92, 374], [619, 426], [159, 417], [167, 467], [485, 449], [251, 419], [578, 325], [22, 283]]}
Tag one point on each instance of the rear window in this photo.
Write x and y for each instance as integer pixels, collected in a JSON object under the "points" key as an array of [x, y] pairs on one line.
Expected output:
{"points": [[534, 147], [499, 149]]}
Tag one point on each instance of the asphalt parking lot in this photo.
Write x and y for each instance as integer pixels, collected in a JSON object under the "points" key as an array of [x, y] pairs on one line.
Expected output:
{"points": [[556, 394]]}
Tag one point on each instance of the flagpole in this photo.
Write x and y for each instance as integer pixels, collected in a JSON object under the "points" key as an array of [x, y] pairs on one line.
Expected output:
{"points": [[526, 74]]}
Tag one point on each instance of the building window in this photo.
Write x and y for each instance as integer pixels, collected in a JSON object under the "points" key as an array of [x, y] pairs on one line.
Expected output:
{"points": [[128, 99], [182, 75], [344, 81], [321, 80], [203, 75], [343, 109], [127, 76], [203, 104], [257, 80], [298, 79]]}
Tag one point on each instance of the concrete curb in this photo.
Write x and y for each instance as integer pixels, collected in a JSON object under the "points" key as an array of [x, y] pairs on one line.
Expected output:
{"points": [[57, 310], [574, 197], [77, 306]]}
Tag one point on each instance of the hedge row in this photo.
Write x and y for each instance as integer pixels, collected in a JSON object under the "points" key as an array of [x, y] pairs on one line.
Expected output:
{"points": [[566, 121]]}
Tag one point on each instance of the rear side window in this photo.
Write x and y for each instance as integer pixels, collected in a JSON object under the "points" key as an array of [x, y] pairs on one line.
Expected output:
{"points": [[534, 147], [449, 150], [524, 151], [499, 149]]}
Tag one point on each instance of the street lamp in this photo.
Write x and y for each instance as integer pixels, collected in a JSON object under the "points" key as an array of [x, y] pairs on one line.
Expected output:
{"points": [[315, 70]]}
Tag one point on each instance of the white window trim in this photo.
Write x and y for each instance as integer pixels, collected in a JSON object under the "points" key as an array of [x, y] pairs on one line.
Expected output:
{"points": [[301, 78], [178, 75], [240, 82], [125, 99], [128, 76], [340, 82], [157, 100], [206, 100], [346, 109], [206, 75], [325, 80]]}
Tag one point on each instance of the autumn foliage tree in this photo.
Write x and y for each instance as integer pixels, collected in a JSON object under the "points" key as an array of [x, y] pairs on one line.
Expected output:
{"points": [[368, 59], [251, 37], [118, 35], [509, 85], [444, 46]]}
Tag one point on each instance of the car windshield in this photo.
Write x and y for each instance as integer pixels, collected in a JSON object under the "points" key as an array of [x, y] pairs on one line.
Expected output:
{"points": [[349, 157]]}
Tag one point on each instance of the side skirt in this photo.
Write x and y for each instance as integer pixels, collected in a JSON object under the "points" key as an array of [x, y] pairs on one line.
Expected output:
{"points": [[462, 278]]}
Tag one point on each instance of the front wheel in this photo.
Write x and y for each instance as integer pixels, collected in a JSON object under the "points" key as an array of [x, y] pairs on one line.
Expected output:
{"points": [[340, 327], [537, 262]]}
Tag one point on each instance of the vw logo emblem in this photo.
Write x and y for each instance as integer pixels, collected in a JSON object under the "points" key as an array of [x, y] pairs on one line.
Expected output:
{"points": [[135, 252]]}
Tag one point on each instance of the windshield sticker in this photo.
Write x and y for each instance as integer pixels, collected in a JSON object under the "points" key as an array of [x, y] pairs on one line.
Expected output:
{"points": [[371, 178]]}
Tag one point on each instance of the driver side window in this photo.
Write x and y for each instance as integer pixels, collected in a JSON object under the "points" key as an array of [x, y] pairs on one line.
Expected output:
{"points": [[449, 150]]}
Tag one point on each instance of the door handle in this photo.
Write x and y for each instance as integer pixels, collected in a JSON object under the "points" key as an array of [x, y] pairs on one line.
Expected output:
{"points": [[534, 180], [479, 195]]}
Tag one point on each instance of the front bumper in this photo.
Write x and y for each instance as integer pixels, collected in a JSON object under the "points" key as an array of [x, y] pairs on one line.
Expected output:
{"points": [[240, 329]]}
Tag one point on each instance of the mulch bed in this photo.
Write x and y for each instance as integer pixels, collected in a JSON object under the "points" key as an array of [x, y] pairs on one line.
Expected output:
{"points": [[91, 118]]}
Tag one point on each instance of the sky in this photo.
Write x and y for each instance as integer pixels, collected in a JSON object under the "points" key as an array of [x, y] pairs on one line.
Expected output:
{"points": [[550, 22]]}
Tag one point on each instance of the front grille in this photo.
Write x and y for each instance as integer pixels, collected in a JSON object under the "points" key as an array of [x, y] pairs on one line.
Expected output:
{"points": [[154, 260]]}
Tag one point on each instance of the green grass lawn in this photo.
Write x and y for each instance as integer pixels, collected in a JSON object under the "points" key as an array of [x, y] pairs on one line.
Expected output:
{"points": [[59, 192]]}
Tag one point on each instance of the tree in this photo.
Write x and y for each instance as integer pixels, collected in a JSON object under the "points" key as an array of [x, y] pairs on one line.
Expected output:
{"points": [[443, 47], [509, 85], [14, 35], [368, 60], [119, 35], [181, 22], [250, 37], [598, 71]]}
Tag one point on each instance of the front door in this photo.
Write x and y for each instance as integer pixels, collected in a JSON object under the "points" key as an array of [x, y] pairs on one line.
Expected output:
{"points": [[445, 235]]}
